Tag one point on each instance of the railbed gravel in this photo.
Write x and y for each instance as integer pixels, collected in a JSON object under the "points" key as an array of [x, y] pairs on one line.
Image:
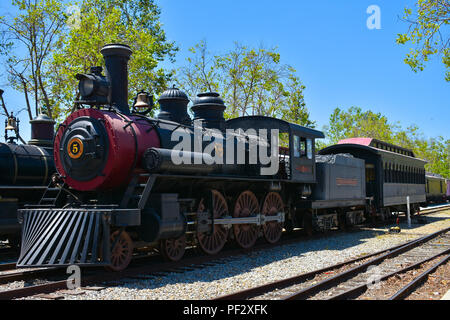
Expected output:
{"points": [[387, 288], [258, 268]]}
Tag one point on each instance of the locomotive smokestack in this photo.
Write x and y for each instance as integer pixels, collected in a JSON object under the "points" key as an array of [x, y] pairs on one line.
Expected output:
{"points": [[116, 60]]}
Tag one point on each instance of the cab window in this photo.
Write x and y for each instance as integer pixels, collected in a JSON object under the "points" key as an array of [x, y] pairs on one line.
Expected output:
{"points": [[296, 146], [302, 147], [309, 148]]}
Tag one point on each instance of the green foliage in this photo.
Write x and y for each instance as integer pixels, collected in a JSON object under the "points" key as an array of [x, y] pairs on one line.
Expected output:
{"points": [[25, 46], [437, 152], [355, 122], [427, 31], [132, 22], [251, 81]]}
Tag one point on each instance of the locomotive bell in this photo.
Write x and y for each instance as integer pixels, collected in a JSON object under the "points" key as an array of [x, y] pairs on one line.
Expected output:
{"points": [[11, 124], [143, 100]]}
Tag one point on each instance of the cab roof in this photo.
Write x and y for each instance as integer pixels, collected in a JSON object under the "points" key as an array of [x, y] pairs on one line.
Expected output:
{"points": [[262, 122]]}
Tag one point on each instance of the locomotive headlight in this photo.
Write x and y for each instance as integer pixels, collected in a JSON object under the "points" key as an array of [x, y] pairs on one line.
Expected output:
{"points": [[86, 87], [93, 87]]}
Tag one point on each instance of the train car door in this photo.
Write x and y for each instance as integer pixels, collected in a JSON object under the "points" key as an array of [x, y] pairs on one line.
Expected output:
{"points": [[371, 186]]}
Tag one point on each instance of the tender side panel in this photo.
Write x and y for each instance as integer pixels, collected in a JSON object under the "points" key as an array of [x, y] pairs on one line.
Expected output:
{"points": [[340, 177]]}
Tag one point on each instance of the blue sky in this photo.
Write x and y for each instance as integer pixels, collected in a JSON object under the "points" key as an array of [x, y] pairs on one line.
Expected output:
{"points": [[341, 62]]}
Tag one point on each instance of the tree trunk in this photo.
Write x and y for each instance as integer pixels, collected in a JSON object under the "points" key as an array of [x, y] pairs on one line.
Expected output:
{"points": [[27, 100]]}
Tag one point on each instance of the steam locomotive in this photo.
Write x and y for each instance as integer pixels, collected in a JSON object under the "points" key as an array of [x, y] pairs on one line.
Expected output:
{"points": [[25, 171], [127, 180]]}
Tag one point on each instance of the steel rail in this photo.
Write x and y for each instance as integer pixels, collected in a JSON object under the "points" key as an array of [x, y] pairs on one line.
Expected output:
{"points": [[104, 276], [256, 291], [139, 269], [356, 291], [331, 282], [33, 290], [434, 209], [60, 285], [7, 266], [28, 274], [410, 287]]}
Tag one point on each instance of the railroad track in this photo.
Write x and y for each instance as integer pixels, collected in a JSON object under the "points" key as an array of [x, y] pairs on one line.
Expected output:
{"points": [[94, 278], [350, 279], [7, 266], [435, 209], [146, 271], [144, 268], [14, 274]]}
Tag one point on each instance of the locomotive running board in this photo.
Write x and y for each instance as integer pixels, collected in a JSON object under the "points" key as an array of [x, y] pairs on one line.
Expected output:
{"points": [[63, 237]]}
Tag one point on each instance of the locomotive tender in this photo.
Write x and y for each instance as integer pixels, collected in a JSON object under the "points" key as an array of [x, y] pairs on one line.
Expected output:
{"points": [[122, 187]]}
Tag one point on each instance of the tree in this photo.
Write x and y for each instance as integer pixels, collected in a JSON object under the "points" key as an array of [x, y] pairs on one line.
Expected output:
{"points": [[427, 31], [132, 22], [201, 73], [437, 152], [26, 44], [251, 82], [355, 122]]}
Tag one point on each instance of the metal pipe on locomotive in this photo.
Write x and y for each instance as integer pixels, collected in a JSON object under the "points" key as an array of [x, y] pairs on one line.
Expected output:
{"points": [[122, 188]]}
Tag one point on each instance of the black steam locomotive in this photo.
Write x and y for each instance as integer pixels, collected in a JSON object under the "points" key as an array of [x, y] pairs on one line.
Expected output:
{"points": [[25, 171], [170, 182]]}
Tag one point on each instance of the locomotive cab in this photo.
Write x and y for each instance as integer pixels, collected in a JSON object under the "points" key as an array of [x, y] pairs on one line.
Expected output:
{"points": [[300, 151]]}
